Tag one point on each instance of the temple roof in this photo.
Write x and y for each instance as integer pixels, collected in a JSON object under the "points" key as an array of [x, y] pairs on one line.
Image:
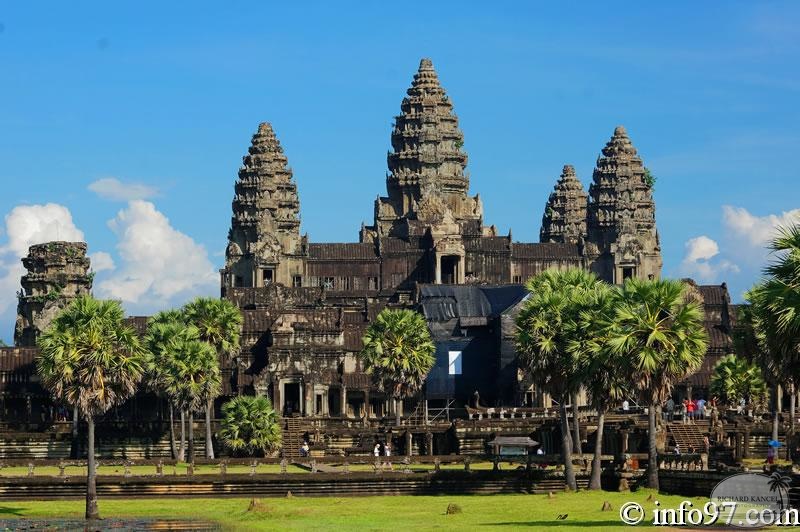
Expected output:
{"points": [[549, 250], [348, 251], [564, 218]]}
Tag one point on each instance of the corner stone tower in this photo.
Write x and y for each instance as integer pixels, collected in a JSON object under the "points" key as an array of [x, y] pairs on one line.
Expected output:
{"points": [[564, 217], [622, 239], [58, 272], [427, 179], [264, 243]]}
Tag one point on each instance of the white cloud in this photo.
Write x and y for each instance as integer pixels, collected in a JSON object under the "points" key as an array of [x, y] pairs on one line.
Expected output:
{"points": [[27, 225], [160, 265], [113, 189], [700, 248], [697, 262], [101, 261], [756, 231]]}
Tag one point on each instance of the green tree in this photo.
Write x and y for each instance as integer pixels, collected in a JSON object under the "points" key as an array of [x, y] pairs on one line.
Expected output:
{"points": [[734, 378], [658, 327], [90, 359], [552, 341], [250, 425], [219, 323], [603, 372], [398, 352], [167, 335]]}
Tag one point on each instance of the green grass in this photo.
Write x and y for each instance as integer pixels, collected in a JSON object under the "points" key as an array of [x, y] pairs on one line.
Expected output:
{"points": [[533, 512]]}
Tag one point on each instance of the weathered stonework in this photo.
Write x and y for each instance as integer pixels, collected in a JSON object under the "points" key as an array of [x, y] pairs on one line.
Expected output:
{"points": [[622, 236], [564, 217], [58, 272]]}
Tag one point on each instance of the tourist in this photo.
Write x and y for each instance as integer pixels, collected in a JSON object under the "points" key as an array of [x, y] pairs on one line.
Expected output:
{"points": [[387, 452], [701, 408], [770, 455], [740, 406], [684, 411], [677, 448], [690, 408], [305, 450], [625, 406], [669, 410], [706, 444], [476, 399], [377, 450]]}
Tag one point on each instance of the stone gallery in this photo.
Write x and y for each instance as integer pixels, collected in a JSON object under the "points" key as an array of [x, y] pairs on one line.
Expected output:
{"points": [[306, 305]]}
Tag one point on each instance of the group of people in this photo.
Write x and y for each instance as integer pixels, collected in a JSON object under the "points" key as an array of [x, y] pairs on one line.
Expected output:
{"points": [[687, 410], [387, 452]]}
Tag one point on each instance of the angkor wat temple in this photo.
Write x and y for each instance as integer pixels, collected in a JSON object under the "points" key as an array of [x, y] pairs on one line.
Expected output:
{"points": [[306, 305]]}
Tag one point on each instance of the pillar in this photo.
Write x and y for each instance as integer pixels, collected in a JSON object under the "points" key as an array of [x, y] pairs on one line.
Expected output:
{"points": [[429, 443], [366, 405], [343, 401], [623, 441], [409, 440], [746, 443]]}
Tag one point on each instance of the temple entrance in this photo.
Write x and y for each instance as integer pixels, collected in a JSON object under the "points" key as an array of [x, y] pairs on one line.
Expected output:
{"points": [[449, 269], [291, 399]]}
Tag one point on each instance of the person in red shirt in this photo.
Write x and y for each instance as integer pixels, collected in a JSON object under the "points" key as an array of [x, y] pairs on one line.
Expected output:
{"points": [[690, 408]]}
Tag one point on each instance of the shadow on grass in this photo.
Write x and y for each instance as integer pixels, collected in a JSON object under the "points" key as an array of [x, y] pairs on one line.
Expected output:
{"points": [[564, 522], [9, 510]]}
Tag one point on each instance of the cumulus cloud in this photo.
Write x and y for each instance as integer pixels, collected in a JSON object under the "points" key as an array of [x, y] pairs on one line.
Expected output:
{"points": [[756, 231], [101, 261], [27, 225], [113, 189], [160, 265], [698, 263]]}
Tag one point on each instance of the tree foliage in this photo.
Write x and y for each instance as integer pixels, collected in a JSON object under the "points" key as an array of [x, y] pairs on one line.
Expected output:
{"points": [[250, 425], [736, 378]]}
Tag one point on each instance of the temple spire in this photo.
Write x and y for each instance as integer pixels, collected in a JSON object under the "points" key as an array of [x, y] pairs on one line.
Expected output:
{"points": [[266, 211], [427, 161], [621, 222], [564, 217]]}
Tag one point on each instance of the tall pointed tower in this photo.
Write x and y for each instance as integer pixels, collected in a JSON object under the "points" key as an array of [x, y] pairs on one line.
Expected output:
{"points": [[427, 181], [564, 217], [622, 237], [264, 243]]}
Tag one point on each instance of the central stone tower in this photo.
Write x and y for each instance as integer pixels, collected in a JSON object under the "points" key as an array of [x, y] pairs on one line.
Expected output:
{"points": [[622, 240], [427, 183]]}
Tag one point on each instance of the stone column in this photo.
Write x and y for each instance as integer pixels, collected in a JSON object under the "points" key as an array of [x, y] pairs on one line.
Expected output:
{"points": [[623, 446], [438, 268], [429, 443], [746, 443], [343, 401], [409, 440], [366, 404]]}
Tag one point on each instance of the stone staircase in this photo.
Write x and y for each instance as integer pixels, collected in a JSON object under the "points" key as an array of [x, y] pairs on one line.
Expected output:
{"points": [[291, 431], [687, 436]]}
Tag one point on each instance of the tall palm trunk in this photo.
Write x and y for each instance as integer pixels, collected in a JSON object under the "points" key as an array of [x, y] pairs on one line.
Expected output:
{"points": [[566, 447], [91, 475], [576, 426], [172, 447], [209, 440], [652, 451], [792, 407], [397, 407], [776, 412], [191, 436], [75, 443], [182, 447], [594, 483]]}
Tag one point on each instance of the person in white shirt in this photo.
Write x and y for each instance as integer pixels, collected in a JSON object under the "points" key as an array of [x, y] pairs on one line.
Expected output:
{"points": [[625, 405]]}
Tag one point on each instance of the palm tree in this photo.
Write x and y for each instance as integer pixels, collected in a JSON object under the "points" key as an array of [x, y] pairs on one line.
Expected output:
{"points": [[90, 359], [603, 372], [219, 323], [782, 288], [734, 378], [167, 335], [398, 352], [551, 340], [193, 372], [250, 425], [658, 329]]}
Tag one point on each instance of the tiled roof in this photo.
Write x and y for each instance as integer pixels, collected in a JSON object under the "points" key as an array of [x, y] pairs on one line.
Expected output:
{"points": [[714, 294], [487, 243], [549, 250], [353, 251]]}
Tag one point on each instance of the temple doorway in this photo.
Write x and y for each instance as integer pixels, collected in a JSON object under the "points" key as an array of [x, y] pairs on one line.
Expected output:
{"points": [[291, 399], [449, 267]]}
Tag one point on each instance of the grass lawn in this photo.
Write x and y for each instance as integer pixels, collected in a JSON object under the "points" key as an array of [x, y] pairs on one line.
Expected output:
{"points": [[534, 512]]}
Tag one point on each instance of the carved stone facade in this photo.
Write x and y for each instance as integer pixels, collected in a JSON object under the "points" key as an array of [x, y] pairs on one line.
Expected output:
{"points": [[622, 237], [58, 272], [565, 213], [307, 305]]}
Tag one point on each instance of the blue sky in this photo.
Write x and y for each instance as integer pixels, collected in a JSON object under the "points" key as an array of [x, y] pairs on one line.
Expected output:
{"points": [[160, 100]]}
